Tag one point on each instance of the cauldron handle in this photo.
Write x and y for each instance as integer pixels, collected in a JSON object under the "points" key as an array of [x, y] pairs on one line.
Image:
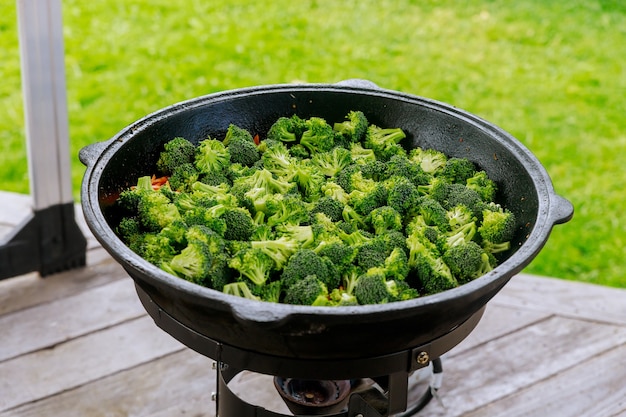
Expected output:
{"points": [[358, 83], [561, 209], [90, 153]]}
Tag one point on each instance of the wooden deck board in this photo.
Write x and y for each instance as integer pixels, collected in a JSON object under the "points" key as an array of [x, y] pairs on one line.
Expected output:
{"points": [[78, 343]]}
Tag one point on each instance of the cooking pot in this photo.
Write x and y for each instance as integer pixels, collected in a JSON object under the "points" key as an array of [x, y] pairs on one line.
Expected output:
{"points": [[307, 332]]}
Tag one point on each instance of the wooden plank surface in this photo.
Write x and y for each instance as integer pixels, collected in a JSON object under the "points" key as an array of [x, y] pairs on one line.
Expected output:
{"points": [[78, 343]]}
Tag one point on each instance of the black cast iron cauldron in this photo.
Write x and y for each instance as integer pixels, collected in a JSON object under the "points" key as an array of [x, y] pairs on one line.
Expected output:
{"points": [[318, 333]]}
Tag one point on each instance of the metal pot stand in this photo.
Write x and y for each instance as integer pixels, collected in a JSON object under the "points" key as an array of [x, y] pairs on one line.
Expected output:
{"points": [[391, 372]]}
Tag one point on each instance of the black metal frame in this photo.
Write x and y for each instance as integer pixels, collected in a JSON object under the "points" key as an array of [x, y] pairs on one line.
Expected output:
{"points": [[390, 371], [48, 241]]}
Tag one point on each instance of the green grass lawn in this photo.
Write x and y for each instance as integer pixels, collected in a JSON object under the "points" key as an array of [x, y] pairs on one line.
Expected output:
{"points": [[550, 72]]}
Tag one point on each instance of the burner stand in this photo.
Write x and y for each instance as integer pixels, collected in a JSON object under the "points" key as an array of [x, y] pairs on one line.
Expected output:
{"points": [[391, 372]]}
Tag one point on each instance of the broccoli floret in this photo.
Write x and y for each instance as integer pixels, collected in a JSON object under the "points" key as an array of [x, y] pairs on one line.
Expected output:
{"points": [[352, 218], [308, 179], [214, 241], [278, 160], [372, 253], [332, 208], [465, 261], [243, 152], [361, 155], [395, 239], [298, 151], [371, 288], [307, 291], [271, 292], [286, 129], [402, 195], [353, 129], [459, 215], [278, 249], [252, 264], [331, 162], [157, 248], [497, 229], [433, 214], [240, 289], [212, 156], [385, 218], [193, 263], [460, 235], [366, 195], [396, 265], [402, 166], [183, 177], [430, 160], [306, 262], [239, 224], [340, 297], [458, 170], [128, 228], [344, 177], [318, 136], [129, 199], [175, 152], [384, 141], [456, 194], [155, 211], [303, 234], [483, 185], [334, 191], [287, 209], [375, 170], [340, 254], [236, 132], [434, 275]]}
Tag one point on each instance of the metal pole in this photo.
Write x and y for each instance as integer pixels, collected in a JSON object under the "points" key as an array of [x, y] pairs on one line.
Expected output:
{"points": [[45, 105], [49, 240]]}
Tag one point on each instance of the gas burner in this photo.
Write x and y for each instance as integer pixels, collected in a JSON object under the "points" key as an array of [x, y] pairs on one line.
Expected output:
{"points": [[313, 396]]}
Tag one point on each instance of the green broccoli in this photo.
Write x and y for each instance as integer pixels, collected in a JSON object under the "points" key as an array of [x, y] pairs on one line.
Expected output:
{"points": [[239, 224], [497, 229], [361, 155], [433, 273], [193, 263], [402, 194], [286, 209], [306, 262], [433, 214], [155, 211], [430, 160], [278, 160], [371, 254], [307, 291], [176, 152], [286, 129], [332, 208], [331, 162], [465, 261], [483, 185], [302, 234], [129, 199], [333, 190], [402, 166], [183, 177], [375, 170], [211, 156], [280, 249], [354, 128], [372, 288], [253, 264], [240, 289], [384, 142], [318, 136], [385, 218], [458, 170]]}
